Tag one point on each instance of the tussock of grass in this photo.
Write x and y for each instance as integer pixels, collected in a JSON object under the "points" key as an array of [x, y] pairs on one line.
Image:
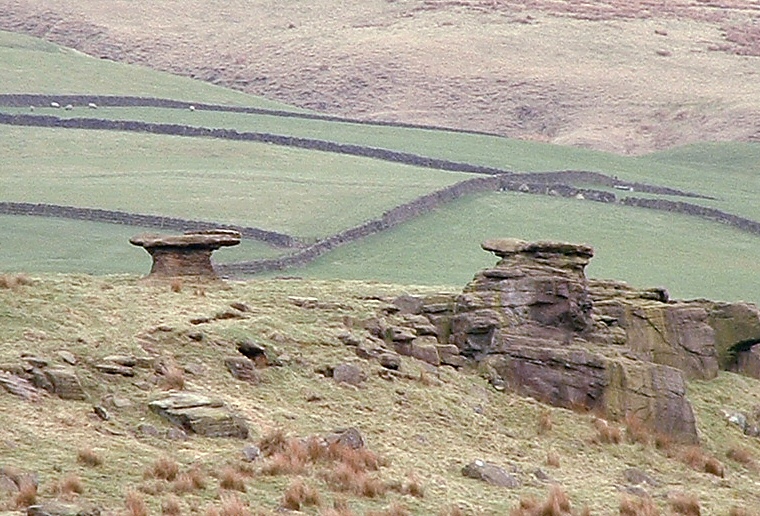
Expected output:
{"points": [[171, 506], [556, 504], [685, 504], [300, 494], [606, 433], [135, 504], [637, 506], [164, 468], [27, 493], [230, 478], [69, 485], [89, 457]]}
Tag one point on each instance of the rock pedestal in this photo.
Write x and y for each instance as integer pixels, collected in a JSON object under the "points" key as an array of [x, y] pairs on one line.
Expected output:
{"points": [[185, 255]]}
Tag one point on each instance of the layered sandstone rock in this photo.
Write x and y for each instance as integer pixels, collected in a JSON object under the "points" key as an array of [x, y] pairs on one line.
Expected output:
{"points": [[185, 255], [536, 324]]}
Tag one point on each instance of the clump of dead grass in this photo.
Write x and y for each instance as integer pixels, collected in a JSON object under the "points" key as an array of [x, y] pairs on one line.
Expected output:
{"points": [[164, 468], [89, 457], [685, 504], [699, 460], [172, 376], [637, 506], [299, 494], [552, 459], [27, 493], [171, 506], [135, 504], [14, 281], [556, 504], [233, 506], [545, 422], [191, 480], [395, 509], [230, 478], [606, 433], [741, 511], [743, 456], [176, 285], [67, 486]]}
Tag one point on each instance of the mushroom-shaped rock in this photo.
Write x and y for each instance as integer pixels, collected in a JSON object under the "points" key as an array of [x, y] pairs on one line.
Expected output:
{"points": [[185, 255]]}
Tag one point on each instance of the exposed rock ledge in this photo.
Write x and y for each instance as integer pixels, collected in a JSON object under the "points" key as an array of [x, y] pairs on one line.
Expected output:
{"points": [[535, 323]]}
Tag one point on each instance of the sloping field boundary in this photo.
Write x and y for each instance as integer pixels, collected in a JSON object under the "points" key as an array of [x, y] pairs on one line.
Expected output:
{"points": [[39, 100], [272, 238], [491, 179]]}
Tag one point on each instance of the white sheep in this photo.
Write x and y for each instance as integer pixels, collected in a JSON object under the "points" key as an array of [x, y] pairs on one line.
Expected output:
{"points": [[68, 107], [55, 105], [92, 105], [192, 108], [31, 108]]}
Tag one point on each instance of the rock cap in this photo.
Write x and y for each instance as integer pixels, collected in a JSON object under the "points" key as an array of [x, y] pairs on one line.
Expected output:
{"points": [[504, 247], [212, 239]]}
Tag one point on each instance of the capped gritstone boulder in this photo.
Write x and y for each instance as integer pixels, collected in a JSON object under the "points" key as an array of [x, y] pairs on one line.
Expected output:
{"points": [[185, 255]]}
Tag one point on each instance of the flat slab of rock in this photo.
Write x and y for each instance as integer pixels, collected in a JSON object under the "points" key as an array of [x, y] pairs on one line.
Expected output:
{"points": [[19, 386], [200, 415], [491, 473], [65, 383], [61, 509]]}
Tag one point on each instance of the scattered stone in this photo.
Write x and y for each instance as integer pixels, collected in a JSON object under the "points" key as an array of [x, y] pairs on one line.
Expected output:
{"points": [[349, 437], [200, 415], [122, 360], [240, 306], [147, 429], [426, 349], [541, 475], [200, 320], [67, 357], [65, 383], [349, 339], [229, 314], [185, 255], [390, 361], [407, 304], [61, 509], [400, 334], [176, 434], [304, 302], [196, 336], [115, 369], [491, 473], [101, 412], [262, 356], [349, 374], [243, 369], [251, 453], [19, 386], [635, 476], [35, 361]]}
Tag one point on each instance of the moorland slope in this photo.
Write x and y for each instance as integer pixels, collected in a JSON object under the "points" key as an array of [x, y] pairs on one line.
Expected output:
{"points": [[627, 77]]}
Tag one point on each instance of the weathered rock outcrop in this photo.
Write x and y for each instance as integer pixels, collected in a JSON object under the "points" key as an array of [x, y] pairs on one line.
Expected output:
{"points": [[200, 415], [185, 255], [536, 324]]}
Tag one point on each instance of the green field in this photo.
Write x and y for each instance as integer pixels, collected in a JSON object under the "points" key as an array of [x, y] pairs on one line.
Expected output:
{"points": [[311, 194]]}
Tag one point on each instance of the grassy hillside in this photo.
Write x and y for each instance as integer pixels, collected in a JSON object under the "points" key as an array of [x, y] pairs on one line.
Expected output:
{"points": [[426, 425], [35, 66]]}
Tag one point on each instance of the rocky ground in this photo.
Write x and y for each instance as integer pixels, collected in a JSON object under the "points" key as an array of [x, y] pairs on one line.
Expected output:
{"points": [[628, 77]]}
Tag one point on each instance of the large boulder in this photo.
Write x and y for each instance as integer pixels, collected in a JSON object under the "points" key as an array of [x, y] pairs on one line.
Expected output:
{"points": [[200, 415]]}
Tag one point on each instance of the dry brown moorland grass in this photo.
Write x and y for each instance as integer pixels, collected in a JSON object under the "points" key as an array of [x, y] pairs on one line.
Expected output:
{"points": [[135, 504], [163, 468], [511, 78], [686, 504], [638, 506], [556, 504], [89, 457]]}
